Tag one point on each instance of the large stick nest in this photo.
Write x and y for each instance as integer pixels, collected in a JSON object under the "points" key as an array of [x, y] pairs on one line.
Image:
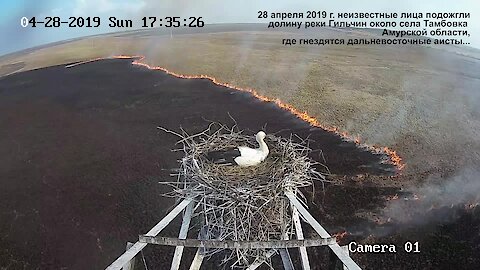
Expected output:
{"points": [[242, 203]]}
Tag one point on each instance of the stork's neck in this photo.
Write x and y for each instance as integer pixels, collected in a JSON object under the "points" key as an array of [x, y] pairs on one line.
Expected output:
{"points": [[263, 146]]}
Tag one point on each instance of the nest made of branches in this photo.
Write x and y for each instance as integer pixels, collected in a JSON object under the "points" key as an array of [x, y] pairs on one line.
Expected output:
{"points": [[242, 203]]}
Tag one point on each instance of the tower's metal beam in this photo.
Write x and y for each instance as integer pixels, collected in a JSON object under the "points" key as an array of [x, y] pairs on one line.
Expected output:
{"points": [[231, 244], [137, 247], [177, 256], [341, 254]]}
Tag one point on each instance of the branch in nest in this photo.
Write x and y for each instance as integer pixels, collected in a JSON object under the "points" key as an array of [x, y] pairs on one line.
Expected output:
{"points": [[242, 203]]}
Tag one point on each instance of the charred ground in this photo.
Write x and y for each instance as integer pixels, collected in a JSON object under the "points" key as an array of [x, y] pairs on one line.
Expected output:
{"points": [[80, 158]]}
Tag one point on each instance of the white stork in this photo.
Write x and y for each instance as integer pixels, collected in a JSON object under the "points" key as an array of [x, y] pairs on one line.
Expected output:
{"points": [[242, 155]]}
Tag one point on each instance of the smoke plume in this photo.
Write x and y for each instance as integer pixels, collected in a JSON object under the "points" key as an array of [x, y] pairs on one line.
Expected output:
{"points": [[437, 193]]}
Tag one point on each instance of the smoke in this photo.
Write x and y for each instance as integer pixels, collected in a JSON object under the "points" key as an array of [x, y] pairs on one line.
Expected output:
{"points": [[439, 201], [434, 200]]}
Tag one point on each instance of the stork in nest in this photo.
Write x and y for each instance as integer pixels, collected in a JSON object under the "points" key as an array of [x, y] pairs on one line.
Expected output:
{"points": [[242, 156]]}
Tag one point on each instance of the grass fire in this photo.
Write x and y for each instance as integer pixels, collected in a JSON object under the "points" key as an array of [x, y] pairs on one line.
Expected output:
{"points": [[81, 157], [393, 157]]}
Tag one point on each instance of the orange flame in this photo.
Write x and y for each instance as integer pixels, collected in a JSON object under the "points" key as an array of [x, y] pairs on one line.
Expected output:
{"points": [[340, 235], [470, 206], [394, 158], [394, 197], [381, 220], [467, 206]]}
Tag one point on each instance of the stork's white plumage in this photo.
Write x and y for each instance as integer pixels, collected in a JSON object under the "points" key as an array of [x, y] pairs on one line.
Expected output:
{"points": [[243, 156]]}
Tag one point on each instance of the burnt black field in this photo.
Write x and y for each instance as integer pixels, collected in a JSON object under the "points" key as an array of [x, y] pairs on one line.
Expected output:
{"points": [[81, 157]]}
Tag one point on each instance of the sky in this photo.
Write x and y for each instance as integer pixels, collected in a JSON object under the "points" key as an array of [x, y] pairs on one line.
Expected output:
{"points": [[14, 37]]}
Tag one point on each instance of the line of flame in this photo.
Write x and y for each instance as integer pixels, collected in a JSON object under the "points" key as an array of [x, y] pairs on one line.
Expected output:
{"points": [[340, 235], [394, 158]]}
